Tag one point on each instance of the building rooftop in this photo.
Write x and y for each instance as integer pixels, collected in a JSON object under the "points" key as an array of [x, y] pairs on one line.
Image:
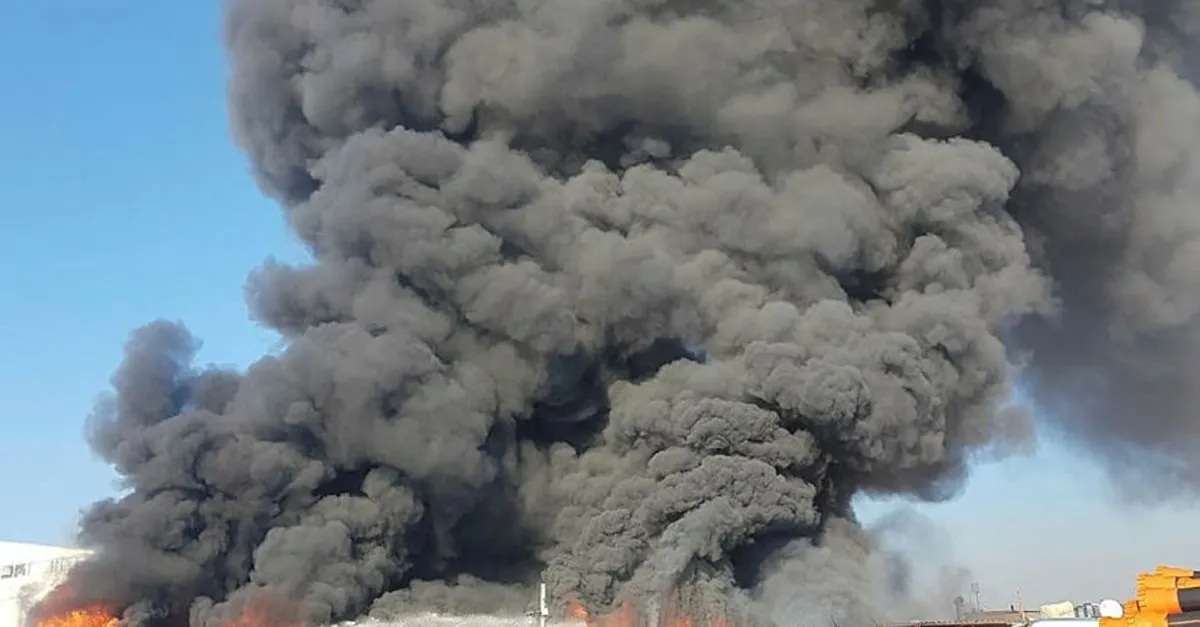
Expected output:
{"points": [[20, 552]]}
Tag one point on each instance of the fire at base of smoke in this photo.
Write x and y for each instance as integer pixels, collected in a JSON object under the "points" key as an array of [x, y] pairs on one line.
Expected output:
{"points": [[435, 620]]}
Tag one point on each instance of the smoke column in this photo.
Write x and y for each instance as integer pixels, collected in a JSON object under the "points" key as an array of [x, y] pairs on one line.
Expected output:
{"points": [[636, 295], [917, 572]]}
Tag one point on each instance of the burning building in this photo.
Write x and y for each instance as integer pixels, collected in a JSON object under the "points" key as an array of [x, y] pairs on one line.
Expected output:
{"points": [[30, 574], [634, 297]]}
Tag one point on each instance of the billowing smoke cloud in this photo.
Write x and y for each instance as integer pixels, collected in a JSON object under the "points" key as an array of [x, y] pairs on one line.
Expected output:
{"points": [[636, 295], [900, 569]]}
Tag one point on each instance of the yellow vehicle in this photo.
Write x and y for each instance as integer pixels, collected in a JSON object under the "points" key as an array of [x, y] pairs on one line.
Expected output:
{"points": [[1167, 597]]}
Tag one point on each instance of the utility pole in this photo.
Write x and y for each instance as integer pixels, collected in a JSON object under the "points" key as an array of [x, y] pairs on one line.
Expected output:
{"points": [[543, 609]]}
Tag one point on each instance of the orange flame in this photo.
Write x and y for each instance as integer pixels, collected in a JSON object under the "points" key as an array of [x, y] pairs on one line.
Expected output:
{"points": [[60, 608], [88, 616], [263, 611], [626, 615], [576, 612], [623, 616]]}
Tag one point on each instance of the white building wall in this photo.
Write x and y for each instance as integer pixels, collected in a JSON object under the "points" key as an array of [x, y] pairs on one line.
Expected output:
{"points": [[27, 573]]}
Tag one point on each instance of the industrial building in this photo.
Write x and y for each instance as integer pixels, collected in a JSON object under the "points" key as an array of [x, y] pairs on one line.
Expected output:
{"points": [[27, 573]]}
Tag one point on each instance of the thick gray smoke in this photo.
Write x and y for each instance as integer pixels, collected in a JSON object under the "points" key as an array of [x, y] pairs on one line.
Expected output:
{"points": [[900, 569], [636, 295], [915, 567]]}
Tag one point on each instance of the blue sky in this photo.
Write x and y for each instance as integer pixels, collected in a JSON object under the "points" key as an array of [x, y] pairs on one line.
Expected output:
{"points": [[126, 201]]}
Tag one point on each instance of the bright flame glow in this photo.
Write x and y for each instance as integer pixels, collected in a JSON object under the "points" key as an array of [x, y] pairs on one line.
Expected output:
{"points": [[89, 616], [627, 616], [262, 612], [61, 609]]}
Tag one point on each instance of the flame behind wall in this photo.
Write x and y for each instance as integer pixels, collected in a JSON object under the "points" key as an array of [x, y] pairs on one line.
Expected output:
{"points": [[673, 610]]}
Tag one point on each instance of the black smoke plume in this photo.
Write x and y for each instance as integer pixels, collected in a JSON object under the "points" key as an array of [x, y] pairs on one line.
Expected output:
{"points": [[637, 295]]}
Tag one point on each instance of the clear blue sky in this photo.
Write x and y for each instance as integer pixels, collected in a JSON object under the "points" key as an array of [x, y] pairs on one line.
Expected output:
{"points": [[123, 200], [126, 201]]}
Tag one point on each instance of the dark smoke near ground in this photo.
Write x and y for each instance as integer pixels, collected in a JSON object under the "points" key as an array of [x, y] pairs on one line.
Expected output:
{"points": [[917, 572], [637, 295], [900, 569]]}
